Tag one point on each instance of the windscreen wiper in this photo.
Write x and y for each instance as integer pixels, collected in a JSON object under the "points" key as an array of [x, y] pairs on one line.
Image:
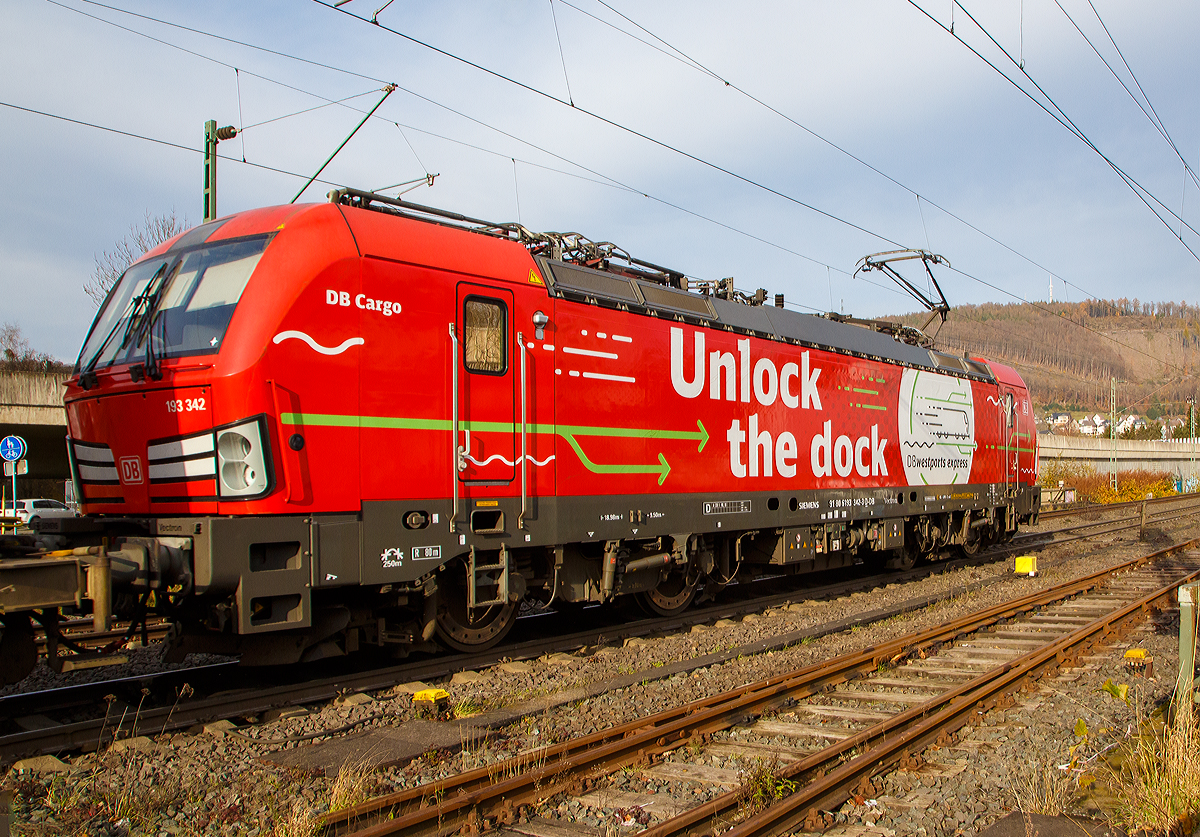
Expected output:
{"points": [[87, 375], [144, 330]]}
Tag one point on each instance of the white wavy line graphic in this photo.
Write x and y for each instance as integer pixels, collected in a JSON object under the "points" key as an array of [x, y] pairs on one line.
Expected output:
{"points": [[317, 347], [994, 401], [496, 456]]}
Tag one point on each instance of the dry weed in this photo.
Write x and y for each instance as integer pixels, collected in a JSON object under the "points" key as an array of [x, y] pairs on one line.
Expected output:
{"points": [[353, 784], [1157, 784], [1093, 486], [1046, 791], [302, 820]]}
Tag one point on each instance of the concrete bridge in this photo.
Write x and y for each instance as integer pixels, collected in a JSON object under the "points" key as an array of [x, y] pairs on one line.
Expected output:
{"points": [[1176, 456], [31, 407]]}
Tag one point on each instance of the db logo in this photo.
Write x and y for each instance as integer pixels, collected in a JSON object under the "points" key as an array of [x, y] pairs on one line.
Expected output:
{"points": [[131, 470]]}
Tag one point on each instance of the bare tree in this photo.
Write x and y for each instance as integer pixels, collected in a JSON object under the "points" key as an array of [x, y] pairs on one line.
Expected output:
{"points": [[17, 354], [13, 343], [154, 230]]}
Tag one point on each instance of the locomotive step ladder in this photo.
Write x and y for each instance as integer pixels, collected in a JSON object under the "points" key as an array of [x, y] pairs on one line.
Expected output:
{"points": [[481, 581]]}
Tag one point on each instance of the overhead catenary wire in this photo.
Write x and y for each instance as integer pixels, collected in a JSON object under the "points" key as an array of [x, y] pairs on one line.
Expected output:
{"points": [[303, 111], [241, 118], [456, 112], [1153, 114], [157, 141], [614, 124], [682, 57], [342, 70], [605, 179], [561, 55], [1060, 116], [1085, 327]]}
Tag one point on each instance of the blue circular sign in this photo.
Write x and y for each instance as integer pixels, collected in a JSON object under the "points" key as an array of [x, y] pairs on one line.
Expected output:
{"points": [[12, 448]]}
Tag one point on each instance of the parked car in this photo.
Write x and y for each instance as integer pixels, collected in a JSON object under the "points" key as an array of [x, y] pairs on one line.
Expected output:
{"points": [[30, 510]]}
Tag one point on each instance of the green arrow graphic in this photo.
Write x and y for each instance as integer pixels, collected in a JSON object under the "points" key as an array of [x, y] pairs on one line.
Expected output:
{"points": [[662, 469], [567, 432]]}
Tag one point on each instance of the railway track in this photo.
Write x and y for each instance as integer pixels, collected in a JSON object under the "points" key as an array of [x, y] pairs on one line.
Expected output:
{"points": [[243, 695], [828, 728], [1084, 508], [234, 692], [1122, 524]]}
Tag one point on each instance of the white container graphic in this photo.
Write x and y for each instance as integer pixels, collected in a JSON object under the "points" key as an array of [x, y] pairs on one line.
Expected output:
{"points": [[937, 428]]}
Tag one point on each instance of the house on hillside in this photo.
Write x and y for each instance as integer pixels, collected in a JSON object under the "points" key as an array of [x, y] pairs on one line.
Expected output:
{"points": [[1095, 425], [1131, 424], [1059, 421]]}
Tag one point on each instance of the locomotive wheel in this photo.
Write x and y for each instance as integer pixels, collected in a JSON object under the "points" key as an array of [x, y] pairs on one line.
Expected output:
{"points": [[902, 560], [973, 547], [461, 630], [670, 596]]}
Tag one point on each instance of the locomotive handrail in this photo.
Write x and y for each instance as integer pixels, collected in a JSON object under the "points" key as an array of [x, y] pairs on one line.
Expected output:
{"points": [[454, 427], [524, 437]]}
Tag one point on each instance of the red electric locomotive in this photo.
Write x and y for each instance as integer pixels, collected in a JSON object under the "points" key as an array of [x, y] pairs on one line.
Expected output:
{"points": [[313, 428]]}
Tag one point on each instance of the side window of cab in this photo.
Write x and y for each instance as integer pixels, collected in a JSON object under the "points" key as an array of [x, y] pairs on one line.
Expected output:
{"points": [[485, 348]]}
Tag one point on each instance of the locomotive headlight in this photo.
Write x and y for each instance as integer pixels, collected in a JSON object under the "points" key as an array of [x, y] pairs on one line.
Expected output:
{"points": [[242, 460]]}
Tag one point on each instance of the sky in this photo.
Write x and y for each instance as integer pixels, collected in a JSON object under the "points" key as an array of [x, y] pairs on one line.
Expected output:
{"points": [[774, 142]]}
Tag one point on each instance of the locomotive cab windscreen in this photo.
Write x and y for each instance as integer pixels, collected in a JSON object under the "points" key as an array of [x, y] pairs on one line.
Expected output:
{"points": [[176, 305]]}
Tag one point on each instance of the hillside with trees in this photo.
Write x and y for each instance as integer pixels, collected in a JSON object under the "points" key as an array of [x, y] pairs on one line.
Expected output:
{"points": [[1069, 352]]}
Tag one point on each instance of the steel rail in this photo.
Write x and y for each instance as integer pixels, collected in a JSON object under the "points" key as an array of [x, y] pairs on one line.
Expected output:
{"points": [[1038, 539], [236, 702], [917, 728], [1083, 508], [86, 734], [444, 806]]}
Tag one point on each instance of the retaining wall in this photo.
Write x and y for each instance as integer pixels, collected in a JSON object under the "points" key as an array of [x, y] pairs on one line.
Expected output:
{"points": [[1175, 456]]}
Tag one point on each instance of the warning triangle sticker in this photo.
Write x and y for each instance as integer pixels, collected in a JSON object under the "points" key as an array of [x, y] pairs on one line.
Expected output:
{"points": [[534, 279]]}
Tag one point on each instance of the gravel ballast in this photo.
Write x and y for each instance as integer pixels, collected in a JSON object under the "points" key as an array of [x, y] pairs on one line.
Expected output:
{"points": [[215, 782]]}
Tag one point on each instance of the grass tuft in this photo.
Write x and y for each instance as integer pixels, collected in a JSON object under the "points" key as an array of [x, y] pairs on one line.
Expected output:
{"points": [[762, 786], [1157, 782], [1047, 791]]}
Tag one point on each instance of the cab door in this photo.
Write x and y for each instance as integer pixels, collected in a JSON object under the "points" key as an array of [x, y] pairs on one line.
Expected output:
{"points": [[486, 435]]}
